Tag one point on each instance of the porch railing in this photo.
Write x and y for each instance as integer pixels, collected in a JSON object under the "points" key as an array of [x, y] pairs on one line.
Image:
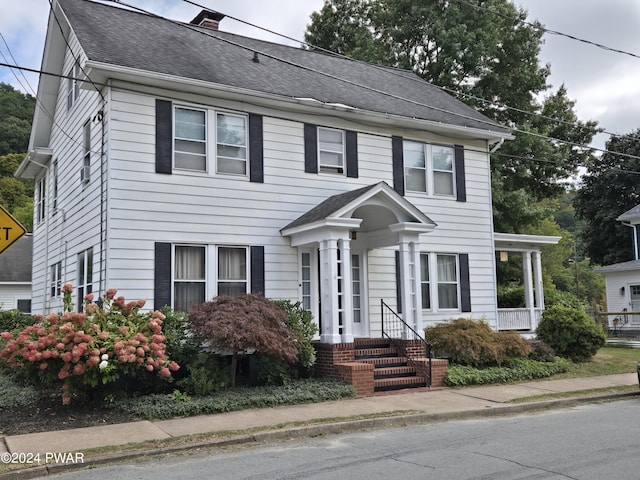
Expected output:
{"points": [[398, 332], [518, 318]]}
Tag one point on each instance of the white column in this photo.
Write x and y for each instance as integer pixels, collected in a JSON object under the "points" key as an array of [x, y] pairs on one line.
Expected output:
{"points": [[329, 296], [539, 289], [405, 285], [347, 291], [528, 286], [417, 288]]}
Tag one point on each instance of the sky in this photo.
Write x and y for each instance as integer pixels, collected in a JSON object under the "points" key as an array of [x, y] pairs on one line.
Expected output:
{"points": [[604, 84]]}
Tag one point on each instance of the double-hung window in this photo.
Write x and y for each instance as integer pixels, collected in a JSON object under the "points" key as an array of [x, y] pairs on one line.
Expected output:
{"points": [[56, 280], [429, 168], [232, 271], [189, 277], [331, 150], [193, 278], [73, 85], [231, 144], [85, 172], [40, 207], [190, 139], [444, 277], [85, 275]]}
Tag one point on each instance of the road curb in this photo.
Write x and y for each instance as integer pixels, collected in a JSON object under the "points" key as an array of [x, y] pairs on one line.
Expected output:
{"points": [[285, 434]]}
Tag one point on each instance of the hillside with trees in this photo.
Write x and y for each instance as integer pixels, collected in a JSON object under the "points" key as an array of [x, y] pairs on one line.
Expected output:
{"points": [[16, 113]]}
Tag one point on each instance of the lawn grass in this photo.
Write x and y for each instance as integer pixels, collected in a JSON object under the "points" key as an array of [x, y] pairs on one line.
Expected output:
{"points": [[608, 361]]}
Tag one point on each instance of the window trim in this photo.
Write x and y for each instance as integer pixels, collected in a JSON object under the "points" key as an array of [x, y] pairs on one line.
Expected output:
{"points": [[247, 268], [174, 280], [246, 147], [41, 201], [55, 280], [175, 138], [84, 276], [332, 169], [85, 175], [430, 170], [73, 85], [435, 282]]}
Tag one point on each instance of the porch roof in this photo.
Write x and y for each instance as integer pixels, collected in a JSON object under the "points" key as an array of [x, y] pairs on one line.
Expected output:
{"points": [[344, 204], [520, 242]]}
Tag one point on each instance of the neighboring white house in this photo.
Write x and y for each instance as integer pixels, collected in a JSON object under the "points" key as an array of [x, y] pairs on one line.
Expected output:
{"points": [[176, 162], [623, 280], [15, 275]]}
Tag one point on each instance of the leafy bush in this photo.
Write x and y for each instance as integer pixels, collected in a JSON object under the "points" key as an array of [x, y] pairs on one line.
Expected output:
{"points": [[241, 324], [516, 370], [571, 333], [540, 351], [208, 373], [86, 350], [510, 297], [12, 320], [301, 321], [13, 394], [468, 342], [301, 391]]}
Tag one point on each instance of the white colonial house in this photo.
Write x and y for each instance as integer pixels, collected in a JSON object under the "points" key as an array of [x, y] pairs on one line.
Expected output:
{"points": [[622, 281], [176, 162]]}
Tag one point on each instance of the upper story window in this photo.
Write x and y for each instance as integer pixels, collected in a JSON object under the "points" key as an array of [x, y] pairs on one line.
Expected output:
{"points": [[429, 168], [331, 150], [73, 85], [56, 280], [190, 139], [54, 194], [193, 129], [85, 172], [40, 206], [231, 144]]}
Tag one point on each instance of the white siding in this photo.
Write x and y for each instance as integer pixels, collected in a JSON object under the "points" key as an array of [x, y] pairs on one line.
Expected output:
{"points": [[11, 293], [145, 207], [619, 300]]}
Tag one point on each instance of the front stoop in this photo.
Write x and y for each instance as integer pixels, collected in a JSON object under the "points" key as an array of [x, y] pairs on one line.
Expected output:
{"points": [[375, 367]]}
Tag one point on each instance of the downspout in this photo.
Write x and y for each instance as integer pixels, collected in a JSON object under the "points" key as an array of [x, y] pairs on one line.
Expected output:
{"points": [[496, 146]]}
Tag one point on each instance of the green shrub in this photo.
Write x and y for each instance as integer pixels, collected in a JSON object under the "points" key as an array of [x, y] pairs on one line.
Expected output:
{"points": [[571, 333], [14, 320], [510, 297], [540, 351], [301, 321], [517, 370], [301, 391], [14, 394], [207, 373], [473, 343]]}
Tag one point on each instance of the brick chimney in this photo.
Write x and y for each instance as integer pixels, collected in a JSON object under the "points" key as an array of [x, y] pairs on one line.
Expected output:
{"points": [[208, 19]]}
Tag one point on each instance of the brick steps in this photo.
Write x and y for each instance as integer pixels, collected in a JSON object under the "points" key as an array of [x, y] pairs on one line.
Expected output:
{"points": [[391, 372]]}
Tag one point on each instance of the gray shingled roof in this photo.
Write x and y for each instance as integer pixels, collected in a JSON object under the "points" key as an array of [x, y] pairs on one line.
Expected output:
{"points": [[15, 262], [620, 267], [630, 214], [116, 36], [329, 206]]}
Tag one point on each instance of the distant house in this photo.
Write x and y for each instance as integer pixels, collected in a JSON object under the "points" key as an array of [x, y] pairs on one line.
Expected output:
{"points": [[15, 275], [623, 280], [176, 162]]}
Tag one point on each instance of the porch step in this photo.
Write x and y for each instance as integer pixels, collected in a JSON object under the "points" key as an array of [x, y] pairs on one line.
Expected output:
{"points": [[402, 383], [391, 371]]}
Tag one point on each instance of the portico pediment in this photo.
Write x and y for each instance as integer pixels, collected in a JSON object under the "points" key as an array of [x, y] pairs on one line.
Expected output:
{"points": [[377, 210]]}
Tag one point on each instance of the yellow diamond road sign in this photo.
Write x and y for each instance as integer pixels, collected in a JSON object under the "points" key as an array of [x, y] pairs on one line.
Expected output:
{"points": [[10, 230]]}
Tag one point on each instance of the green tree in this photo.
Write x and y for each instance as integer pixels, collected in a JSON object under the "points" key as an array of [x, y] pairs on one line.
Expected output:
{"points": [[16, 113], [487, 56], [610, 187]]}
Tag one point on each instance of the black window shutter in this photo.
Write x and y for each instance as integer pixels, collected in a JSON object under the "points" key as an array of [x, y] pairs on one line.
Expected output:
{"points": [[398, 164], [310, 148], [461, 188], [398, 284], [256, 155], [352, 153], [164, 136], [162, 275], [465, 286], [257, 269]]}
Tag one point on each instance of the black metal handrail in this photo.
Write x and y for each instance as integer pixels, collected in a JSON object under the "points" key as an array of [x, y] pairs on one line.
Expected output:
{"points": [[395, 329]]}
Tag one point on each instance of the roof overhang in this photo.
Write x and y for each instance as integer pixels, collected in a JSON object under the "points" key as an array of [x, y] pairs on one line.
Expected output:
{"points": [[633, 265], [520, 242], [102, 73], [34, 162]]}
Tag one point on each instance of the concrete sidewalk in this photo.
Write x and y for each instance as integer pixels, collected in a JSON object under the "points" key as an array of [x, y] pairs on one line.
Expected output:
{"points": [[284, 422]]}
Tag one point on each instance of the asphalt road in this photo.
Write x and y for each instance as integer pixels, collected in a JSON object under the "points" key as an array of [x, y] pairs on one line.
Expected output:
{"points": [[590, 442]]}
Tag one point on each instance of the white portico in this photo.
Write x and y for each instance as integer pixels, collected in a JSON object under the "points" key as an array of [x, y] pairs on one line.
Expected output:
{"points": [[332, 240]]}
